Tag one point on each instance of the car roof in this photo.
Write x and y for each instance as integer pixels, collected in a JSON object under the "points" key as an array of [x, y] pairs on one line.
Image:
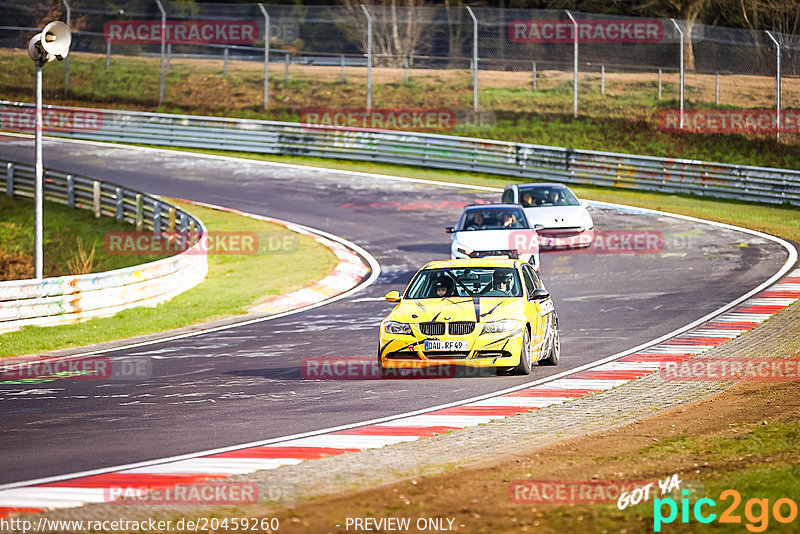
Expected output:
{"points": [[542, 185], [470, 262], [492, 206]]}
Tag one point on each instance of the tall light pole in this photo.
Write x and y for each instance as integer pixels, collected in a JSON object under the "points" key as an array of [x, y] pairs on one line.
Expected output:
{"points": [[52, 43]]}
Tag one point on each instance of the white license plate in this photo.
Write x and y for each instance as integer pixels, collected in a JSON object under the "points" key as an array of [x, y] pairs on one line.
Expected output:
{"points": [[447, 345]]}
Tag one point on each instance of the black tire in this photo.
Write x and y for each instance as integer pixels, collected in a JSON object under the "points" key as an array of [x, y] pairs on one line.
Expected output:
{"points": [[554, 351], [525, 364]]}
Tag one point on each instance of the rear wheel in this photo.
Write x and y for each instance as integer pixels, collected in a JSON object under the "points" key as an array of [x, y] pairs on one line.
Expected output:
{"points": [[525, 362], [554, 353]]}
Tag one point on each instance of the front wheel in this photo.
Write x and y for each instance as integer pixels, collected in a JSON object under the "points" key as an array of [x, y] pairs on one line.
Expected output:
{"points": [[554, 354], [525, 362]]}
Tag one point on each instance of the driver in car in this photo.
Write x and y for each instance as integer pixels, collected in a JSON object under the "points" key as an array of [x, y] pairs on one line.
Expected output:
{"points": [[477, 222], [501, 284], [443, 287]]}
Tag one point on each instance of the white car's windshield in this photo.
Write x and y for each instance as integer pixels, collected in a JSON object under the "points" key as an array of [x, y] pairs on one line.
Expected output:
{"points": [[465, 282], [493, 219], [546, 196]]}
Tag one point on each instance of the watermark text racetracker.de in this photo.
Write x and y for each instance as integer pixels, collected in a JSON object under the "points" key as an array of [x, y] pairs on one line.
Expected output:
{"points": [[208, 243], [86, 368], [405, 119], [758, 369], [730, 121], [589, 242], [368, 368], [181, 31], [589, 31], [53, 120]]}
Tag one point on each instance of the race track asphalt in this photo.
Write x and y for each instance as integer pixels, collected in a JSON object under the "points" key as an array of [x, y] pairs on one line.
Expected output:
{"points": [[244, 384]]}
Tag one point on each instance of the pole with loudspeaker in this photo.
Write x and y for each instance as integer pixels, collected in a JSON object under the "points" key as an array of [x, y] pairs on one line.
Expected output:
{"points": [[53, 43]]}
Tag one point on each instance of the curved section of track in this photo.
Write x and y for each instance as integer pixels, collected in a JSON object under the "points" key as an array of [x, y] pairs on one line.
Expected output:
{"points": [[244, 384]]}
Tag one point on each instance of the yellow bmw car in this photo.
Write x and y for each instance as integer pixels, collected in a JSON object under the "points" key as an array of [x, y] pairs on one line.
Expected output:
{"points": [[484, 312]]}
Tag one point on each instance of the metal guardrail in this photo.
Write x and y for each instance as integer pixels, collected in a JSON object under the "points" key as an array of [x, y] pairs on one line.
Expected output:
{"points": [[67, 299], [520, 160]]}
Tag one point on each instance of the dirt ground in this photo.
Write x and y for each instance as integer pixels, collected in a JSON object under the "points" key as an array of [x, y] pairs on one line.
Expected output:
{"points": [[478, 499]]}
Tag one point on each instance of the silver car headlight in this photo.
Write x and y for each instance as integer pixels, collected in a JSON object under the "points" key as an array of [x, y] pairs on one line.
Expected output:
{"points": [[506, 325], [393, 327]]}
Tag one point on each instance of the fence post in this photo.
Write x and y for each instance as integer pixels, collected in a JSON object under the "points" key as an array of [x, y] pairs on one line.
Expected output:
{"points": [[602, 79], [266, 55], [225, 62], [369, 56], [574, 64], [10, 179], [70, 191], [66, 61], [169, 58], [680, 32], [163, 49], [659, 84], [96, 198], [120, 207], [405, 65], [534, 75], [344, 80], [474, 60], [108, 52], [287, 60], [777, 81]]}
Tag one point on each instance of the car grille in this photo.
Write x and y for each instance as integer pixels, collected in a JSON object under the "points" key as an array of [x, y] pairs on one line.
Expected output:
{"points": [[447, 355], [461, 328], [492, 354], [402, 355], [432, 329]]}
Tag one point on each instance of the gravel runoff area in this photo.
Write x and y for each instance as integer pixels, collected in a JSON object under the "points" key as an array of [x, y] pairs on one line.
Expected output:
{"points": [[288, 485]]}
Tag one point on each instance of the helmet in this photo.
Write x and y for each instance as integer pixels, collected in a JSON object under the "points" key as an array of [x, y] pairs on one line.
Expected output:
{"points": [[446, 282], [500, 277]]}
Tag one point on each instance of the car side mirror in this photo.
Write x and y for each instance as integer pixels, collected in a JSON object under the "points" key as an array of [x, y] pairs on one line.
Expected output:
{"points": [[538, 227], [450, 230], [393, 296], [540, 294]]}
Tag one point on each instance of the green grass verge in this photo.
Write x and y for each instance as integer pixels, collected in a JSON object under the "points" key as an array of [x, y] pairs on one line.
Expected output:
{"points": [[234, 283], [782, 221], [63, 229]]}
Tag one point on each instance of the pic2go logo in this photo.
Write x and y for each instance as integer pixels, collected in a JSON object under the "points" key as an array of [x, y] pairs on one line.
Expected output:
{"points": [[756, 511]]}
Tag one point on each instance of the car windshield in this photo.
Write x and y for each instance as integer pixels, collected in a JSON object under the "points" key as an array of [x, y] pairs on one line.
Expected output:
{"points": [[465, 282], [493, 219], [546, 196]]}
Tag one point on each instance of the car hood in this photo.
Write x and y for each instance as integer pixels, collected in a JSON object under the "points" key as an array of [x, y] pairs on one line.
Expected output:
{"points": [[558, 216], [491, 239], [457, 309]]}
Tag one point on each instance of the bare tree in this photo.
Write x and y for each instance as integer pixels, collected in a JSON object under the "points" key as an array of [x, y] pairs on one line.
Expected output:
{"points": [[398, 28]]}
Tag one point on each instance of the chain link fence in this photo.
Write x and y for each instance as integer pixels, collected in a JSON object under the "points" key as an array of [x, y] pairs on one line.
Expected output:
{"points": [[539, 60]]}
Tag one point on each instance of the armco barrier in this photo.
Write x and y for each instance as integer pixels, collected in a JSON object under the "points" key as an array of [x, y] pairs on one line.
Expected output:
{"points": [[521, 160], [67, 299]]}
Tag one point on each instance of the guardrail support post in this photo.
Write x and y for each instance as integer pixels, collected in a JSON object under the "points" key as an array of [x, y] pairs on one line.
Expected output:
{"points": [[172, 220], [71, 191], [163, 49], [574, 64], [369, 56], [120, 207], [139, 212], [10, 179], [474, 60], [266, 55], [96, 198], [680, 32], [157, 217]]}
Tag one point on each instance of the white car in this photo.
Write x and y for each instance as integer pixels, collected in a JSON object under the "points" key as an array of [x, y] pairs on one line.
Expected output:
{"points": [[564, 219], [494, 230]]}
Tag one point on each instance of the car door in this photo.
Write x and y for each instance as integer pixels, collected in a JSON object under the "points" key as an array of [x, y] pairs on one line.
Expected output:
{"points": [[535, 310]]}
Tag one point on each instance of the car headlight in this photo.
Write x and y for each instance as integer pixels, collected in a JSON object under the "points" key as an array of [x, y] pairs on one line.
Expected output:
{"points": [[506, 325], [393, 327]]}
